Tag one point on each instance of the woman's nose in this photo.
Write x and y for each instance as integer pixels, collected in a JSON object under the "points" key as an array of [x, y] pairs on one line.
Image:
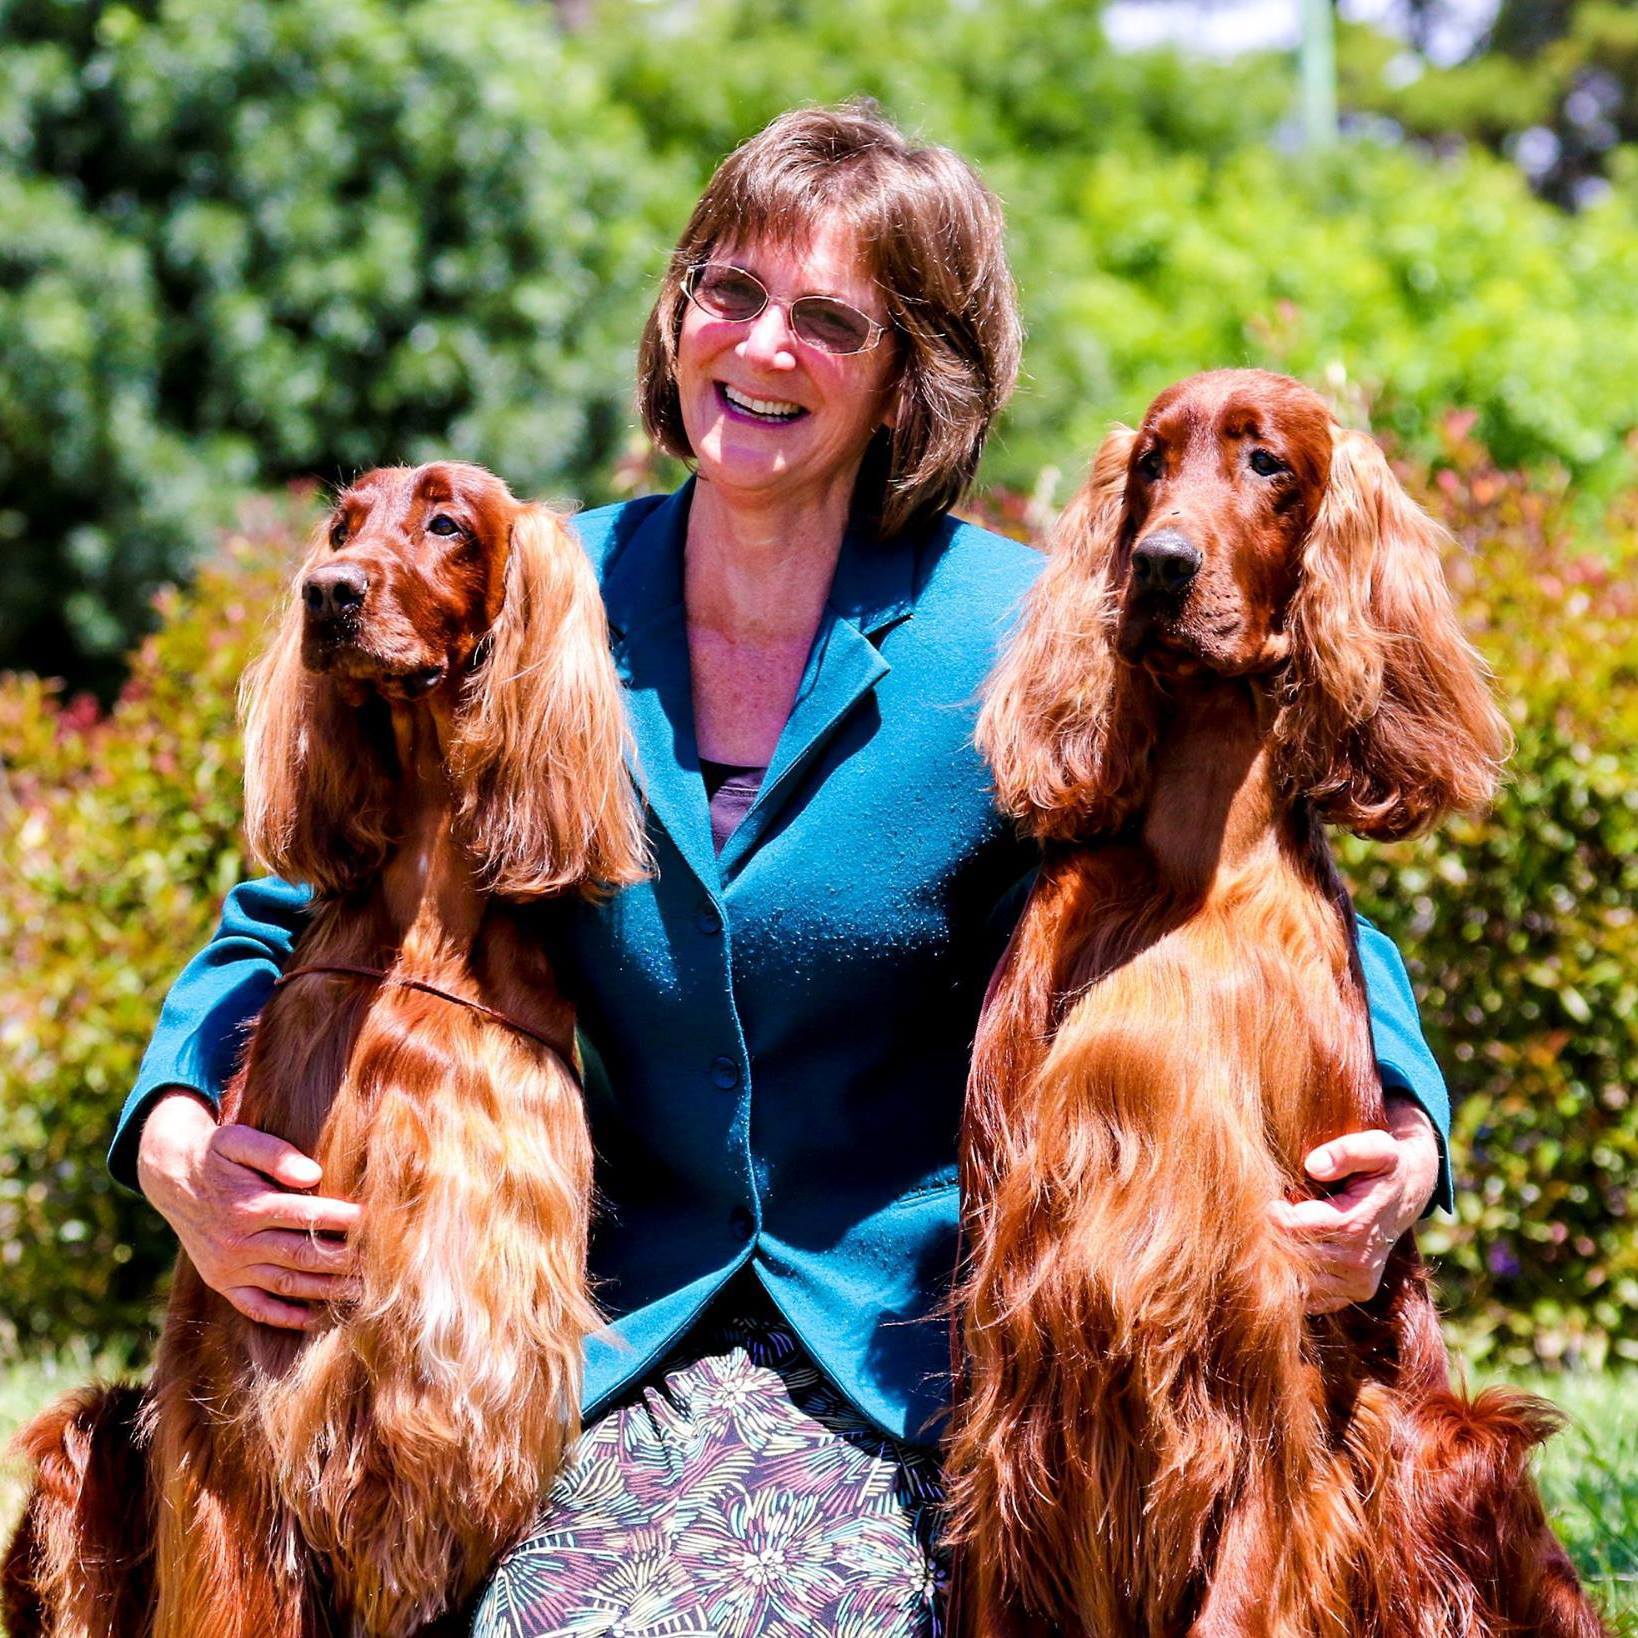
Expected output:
{"points": [[769, 340]]}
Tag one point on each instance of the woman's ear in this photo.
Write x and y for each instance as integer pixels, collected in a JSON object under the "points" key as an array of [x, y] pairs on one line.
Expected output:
{"points": [[894, 411]]}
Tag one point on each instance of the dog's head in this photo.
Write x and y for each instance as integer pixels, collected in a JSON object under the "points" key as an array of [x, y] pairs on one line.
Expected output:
{"points": [[406, 579], [1241, 532], [433, 590], [1224, 481]]}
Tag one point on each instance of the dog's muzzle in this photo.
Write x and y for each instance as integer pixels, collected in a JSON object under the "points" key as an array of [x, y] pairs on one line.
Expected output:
{"points": [[333, 595], [1164, 565]]}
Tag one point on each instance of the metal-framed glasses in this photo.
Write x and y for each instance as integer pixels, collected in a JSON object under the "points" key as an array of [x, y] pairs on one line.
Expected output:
{"points": [[728, 292]]}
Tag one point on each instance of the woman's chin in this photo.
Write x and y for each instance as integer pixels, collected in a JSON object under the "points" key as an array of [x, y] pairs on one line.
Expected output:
{"points": [[763, 467], [755, 465]]}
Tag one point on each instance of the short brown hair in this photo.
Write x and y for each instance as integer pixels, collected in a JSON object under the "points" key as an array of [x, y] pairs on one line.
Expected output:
{"points": [[931, 235]]}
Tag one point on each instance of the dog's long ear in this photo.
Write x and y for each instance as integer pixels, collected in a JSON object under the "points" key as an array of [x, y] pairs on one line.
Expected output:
{"points": [[1066, 725], [1387, 723], [545, 798], [319, 770]]}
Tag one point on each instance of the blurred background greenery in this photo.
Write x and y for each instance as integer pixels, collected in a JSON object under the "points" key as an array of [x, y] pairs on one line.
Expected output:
{"points": [[250, 246], [244, 244]]}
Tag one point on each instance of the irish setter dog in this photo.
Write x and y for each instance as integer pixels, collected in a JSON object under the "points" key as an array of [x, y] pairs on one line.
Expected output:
{"points": [[1242, 635], [434, 739]]}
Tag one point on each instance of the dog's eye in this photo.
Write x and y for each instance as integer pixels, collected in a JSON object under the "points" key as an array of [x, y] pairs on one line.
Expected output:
{"points": [[1152, 463], [1266, 465], [338, 532], [443, 524]]}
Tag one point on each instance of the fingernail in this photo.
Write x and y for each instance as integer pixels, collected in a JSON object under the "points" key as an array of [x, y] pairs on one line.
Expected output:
{"points": [[1320, 1160]]}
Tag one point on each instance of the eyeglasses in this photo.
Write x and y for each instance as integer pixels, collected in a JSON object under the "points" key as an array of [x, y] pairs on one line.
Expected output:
{"points": [[728, 292]]}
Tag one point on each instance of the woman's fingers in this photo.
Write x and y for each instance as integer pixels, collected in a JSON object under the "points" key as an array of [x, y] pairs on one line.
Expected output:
{"points": [[271, 1275], [1386, 1178], [1327, 1293], [1346, 1237], [1353, 1211], [232, 1194], [1350, 1153], [269, 1155], [305, 1213], [294, 1285], [280, 1248], [266, 1309]]}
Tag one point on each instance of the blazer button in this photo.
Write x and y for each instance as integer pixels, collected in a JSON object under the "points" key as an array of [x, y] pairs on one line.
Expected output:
{"points": [[725, 1073], [708, 921], [741, 1221]]}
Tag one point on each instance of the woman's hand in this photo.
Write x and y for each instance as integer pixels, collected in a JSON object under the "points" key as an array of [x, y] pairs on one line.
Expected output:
{"points": [[1349, 1234], [225, 1190]]}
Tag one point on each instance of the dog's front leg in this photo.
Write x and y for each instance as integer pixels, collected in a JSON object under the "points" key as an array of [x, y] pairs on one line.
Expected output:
{"points": [[225, 1553], [226, 1559], [1238, 1590]]}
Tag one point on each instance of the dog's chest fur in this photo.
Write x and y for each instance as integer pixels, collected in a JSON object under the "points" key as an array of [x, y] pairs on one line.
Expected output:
{"points": [[1208, 992]]}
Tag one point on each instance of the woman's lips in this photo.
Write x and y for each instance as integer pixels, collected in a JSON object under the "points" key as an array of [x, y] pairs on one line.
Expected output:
{"points": [[738, 405]]}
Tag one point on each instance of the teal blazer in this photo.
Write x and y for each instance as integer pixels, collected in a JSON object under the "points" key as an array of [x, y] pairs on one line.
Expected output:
{"points": [[785, 1027]]}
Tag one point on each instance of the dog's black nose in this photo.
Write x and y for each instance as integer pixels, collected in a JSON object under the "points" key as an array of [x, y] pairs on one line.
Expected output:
{"points": [[1165, 562], [333, 590]]}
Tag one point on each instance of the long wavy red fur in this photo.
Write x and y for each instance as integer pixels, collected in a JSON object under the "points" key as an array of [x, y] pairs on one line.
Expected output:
{"points": [[1151, 1438], [458, 756]]}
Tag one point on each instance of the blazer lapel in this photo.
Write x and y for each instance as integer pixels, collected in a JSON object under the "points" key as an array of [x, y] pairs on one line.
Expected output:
{"points": [[872, 591], [643, 595]]}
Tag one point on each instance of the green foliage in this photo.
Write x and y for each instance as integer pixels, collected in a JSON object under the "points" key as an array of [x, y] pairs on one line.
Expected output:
{"points": [[290, 237], [1568, 69], [1489, 99], [1408, 285], [1159, 227], [246, 243], [1031, 78], [1520, 929], [119, 836], [1521, 933]]}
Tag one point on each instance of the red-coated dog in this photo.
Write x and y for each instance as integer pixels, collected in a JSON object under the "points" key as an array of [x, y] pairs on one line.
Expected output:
{"points": [[434, 739], [1242, 635]]}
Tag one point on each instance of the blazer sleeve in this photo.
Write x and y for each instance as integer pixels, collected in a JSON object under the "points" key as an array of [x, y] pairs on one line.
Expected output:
{"points": [[203, 1023], [1401, 1050]]}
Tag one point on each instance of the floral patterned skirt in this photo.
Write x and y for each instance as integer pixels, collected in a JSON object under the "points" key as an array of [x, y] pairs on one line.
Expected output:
{"points": [[735, 1495]]}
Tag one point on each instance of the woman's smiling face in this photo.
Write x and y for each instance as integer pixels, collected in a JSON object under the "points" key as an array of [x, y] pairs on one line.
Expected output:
{"points": [[770, 417]]}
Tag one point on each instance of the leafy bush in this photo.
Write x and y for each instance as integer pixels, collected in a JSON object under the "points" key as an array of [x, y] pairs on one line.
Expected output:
{"points": [[1409, 284], [290, 237], [1520, 929], [297, 236], [119, 836], [1160, 226], [1566, 72]]}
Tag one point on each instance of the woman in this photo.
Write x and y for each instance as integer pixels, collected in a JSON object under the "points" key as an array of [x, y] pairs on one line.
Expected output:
{"points": [[785, 1010]]}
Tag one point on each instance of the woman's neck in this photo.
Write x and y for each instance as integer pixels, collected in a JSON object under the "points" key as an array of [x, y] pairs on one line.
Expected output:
{"points": [[755, 580], [759, 573]]}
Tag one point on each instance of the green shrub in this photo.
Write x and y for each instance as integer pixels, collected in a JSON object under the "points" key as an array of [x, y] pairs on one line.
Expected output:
{"points": [[290, 237], [119, 836], [1161, 225], [1409, 285], [1521, 932], [1520, 929]]}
